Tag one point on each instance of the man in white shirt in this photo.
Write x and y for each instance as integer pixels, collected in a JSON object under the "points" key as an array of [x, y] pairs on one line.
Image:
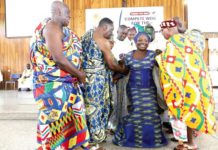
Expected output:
{"points": [[26, 80], [130, 38], [120, 46]]}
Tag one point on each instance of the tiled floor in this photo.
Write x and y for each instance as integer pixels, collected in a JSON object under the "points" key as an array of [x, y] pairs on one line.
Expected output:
{"points": [[17, 105], [18, 115], [21, 135]]}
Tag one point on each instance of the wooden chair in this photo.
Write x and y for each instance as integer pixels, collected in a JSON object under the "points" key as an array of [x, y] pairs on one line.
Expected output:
{"points": [[13, 80]]}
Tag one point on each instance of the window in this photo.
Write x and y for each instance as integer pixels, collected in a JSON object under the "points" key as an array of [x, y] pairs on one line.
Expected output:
{"points": [[202, 15], [22, 16]]}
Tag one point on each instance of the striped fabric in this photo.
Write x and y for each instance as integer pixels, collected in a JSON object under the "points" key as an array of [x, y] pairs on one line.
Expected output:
{"points": [[98, 87]]}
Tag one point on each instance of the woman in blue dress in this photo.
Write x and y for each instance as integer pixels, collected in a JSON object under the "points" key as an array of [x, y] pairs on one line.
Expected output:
{"points": [[142, 126]]}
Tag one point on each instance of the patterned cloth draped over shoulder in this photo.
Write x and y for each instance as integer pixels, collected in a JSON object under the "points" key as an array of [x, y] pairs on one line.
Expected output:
{"points": [[62, 122], [98, 87], [186, 84]]}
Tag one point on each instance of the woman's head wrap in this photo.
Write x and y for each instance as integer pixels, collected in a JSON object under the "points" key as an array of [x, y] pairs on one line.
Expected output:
{"points": [[147, 30], [141, 33]]}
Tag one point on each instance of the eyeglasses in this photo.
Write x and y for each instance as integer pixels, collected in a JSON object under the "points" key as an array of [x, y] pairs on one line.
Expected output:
{"points": [[161, 30]]}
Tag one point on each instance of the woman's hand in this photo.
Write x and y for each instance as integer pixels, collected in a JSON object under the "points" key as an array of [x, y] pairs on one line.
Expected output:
{"points": [[122, 56], [158, 52]]}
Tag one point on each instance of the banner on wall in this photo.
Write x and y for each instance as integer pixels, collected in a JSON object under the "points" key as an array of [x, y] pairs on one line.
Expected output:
{"points": [[129, 17]]}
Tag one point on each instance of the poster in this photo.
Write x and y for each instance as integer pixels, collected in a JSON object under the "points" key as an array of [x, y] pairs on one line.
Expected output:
{"points": [[130, 16]]}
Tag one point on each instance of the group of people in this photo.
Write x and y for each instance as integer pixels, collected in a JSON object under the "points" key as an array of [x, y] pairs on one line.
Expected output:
{"points": [[25, 82], [84, 89]]}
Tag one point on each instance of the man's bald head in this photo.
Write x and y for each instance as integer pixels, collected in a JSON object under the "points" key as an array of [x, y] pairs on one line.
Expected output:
{"points": [[60, 12], [57, 6], [122, 32]]}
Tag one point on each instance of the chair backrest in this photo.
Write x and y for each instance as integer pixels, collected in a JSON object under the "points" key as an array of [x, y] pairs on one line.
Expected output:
{"points": [[15, 76]]}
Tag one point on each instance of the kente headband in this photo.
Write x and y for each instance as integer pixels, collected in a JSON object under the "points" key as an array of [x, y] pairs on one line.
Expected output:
{"points": [[168, 24]]}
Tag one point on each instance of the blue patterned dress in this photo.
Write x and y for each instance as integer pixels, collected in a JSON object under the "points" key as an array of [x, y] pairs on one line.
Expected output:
{"points": [[142, 126], [97, 88]]}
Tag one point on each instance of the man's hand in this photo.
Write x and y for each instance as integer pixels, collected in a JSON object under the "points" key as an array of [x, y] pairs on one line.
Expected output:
{"points": [[82, 77]]}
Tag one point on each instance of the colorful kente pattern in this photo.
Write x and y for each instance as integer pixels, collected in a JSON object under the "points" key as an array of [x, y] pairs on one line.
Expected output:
{"points": [[186, 84], [62, 123], [98, 87]]}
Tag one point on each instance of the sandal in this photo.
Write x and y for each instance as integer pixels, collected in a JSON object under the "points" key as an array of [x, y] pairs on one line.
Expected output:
{"points": [[173, 139], [101, 148], [110, 131], [97, 148], [169, 131], [195, 147], [180, 147], [79, 148]]}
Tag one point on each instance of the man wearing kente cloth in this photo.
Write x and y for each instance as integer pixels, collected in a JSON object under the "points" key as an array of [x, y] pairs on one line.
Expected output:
{"points": [[186, 86], [55, 52], [97, 63]]}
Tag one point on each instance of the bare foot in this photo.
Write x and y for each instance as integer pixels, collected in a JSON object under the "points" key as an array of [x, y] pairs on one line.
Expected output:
{"points": [[191, 147], [110, 131], [180, 147], [79, 148], [101, 148]]}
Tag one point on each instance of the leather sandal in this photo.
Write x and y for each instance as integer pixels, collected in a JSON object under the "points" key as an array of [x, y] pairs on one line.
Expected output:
{"points": [[180, 147], [195, 147]]}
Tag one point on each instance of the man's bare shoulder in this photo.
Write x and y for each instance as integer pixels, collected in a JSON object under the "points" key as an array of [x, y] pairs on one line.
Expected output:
{"points": [[104, 44], [52, 28]]}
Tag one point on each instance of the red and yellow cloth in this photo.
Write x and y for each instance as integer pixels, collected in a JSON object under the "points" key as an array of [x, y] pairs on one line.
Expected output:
{"points": [[186, 84]]}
